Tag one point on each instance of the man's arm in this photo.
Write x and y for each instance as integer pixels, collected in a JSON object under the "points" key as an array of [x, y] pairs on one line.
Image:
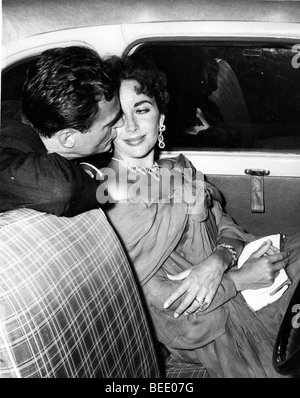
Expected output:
{"points": [[44, 182]]}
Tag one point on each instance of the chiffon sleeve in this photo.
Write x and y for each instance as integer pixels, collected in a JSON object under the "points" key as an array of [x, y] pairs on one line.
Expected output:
{"points": [[227, 228], [148, 233]]}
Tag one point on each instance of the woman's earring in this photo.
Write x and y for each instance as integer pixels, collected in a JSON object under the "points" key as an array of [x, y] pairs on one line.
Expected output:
{"points": [[161, 129]]}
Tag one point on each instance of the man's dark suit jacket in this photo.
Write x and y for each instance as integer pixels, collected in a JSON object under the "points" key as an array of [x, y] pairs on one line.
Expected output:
{"points": [[29, 177]]}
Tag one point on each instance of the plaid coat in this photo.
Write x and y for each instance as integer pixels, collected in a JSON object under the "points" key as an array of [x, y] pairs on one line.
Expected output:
{"points": [[69, 305]]}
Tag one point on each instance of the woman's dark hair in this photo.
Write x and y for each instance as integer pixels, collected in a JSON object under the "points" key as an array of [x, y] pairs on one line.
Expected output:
{"points": [[63, 88], [152, 81]]}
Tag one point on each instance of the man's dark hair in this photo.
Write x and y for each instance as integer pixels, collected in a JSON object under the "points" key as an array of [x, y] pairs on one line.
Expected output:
{"points": [[63, 88]]}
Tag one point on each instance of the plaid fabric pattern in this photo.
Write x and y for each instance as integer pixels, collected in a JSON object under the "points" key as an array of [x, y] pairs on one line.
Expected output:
{"points": [[176, 369], [69, 305]]}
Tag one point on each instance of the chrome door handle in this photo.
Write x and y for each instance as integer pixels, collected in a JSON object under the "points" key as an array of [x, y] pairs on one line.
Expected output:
{"points": [[257, 172], [257, 189]]}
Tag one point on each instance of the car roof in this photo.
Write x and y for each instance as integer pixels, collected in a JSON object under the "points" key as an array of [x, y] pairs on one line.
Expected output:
{"points": [[24, 18]]}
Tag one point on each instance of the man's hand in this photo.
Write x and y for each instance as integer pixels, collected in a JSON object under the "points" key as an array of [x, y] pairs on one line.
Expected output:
{"points": [[200, 284], [201, 117]]}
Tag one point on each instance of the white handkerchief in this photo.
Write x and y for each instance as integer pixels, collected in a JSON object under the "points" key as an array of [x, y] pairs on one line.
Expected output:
{"points": [[259, 298]]}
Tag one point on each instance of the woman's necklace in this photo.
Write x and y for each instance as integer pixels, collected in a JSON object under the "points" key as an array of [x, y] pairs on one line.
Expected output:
{"points": [[153, 171]]}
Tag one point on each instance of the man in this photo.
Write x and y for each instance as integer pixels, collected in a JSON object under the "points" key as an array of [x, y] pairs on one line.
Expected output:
{"points": [[69, 109]]}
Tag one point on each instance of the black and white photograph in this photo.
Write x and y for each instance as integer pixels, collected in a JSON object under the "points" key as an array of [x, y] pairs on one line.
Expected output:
{"points": [[150, 192]]}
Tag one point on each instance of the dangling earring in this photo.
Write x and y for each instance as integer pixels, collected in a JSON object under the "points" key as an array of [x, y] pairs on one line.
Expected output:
{"points": [[161, 129]]}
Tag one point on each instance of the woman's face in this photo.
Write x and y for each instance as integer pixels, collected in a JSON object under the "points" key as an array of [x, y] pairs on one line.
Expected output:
{"points": [[138, 135]]}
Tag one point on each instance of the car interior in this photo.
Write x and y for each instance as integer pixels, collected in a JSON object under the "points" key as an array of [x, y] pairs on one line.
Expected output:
{"points": [[248, 93]]}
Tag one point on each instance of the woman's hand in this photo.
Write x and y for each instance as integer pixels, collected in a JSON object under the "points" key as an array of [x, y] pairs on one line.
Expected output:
{"points": [[272, 250], [200, 284], [261, 269]]}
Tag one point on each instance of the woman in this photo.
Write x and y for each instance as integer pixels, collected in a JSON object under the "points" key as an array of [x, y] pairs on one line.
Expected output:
{"points": [[181, 243]]}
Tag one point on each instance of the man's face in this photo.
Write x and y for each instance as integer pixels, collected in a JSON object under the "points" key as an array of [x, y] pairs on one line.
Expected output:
{"points": [[101, 134]]}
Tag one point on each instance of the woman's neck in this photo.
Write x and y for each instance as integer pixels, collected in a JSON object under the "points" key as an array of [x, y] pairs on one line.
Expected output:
{"points": [[146, 161]]}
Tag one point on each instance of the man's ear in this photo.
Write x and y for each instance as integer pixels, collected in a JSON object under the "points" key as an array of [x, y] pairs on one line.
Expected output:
{"points": [[67, 138]]}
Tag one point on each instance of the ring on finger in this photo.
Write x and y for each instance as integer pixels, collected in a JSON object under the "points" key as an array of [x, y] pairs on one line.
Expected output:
{"points": [[201, 302]]}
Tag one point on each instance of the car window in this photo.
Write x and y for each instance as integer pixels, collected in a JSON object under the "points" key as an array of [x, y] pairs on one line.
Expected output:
{"points": [[222, 97], [237, 96], [12, 79]]}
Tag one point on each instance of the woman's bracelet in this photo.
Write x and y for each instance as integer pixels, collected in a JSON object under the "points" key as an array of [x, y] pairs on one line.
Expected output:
{"points": [[232, 251]]}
